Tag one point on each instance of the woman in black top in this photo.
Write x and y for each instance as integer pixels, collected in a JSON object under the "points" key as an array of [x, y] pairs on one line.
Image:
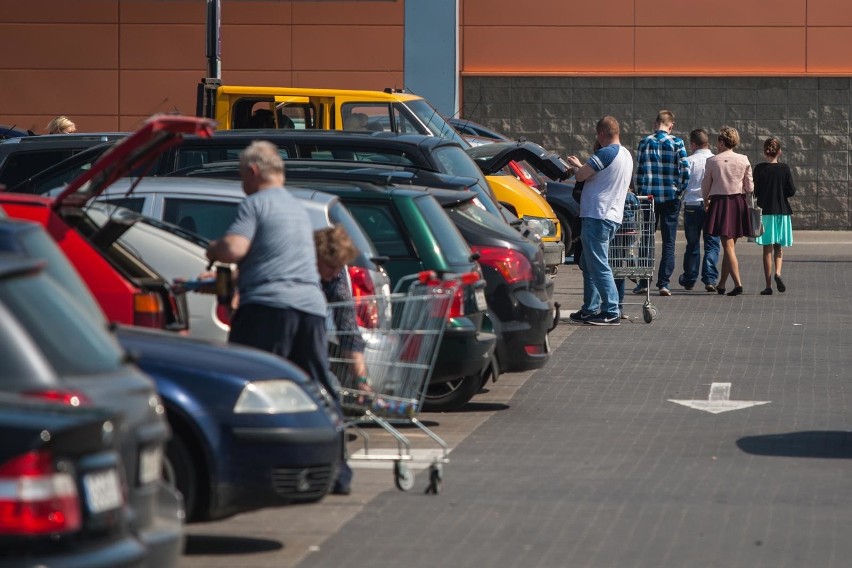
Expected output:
{"points": [[773, 185]]}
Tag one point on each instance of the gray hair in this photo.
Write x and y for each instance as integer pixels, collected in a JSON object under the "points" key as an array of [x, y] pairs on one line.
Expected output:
{"points": [[265, 156]]}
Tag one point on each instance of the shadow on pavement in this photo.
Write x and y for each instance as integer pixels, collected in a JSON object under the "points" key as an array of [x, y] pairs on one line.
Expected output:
{"points": [[474, 406], [218, 544], [813, 444]]}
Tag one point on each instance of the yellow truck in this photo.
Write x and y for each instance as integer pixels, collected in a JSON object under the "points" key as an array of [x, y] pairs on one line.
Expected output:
{"points": [[243, 107]]}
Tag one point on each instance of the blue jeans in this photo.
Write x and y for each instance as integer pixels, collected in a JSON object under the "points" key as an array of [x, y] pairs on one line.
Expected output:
{"points": [[693, 228], [600, 293], [665, 219], [667, 214]]}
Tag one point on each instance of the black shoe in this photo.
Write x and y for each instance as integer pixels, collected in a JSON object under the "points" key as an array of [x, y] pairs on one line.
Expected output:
{"points": [[580, 316], [720, 291], [736, 291], [602, 319], [766, 292], [780, 284], [341, 489]]}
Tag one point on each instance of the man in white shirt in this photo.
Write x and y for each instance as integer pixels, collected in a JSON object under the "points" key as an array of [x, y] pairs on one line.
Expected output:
{"points": [[693, 220], [607, 177]]}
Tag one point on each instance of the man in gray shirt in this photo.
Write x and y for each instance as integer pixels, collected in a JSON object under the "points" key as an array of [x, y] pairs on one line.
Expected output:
{"points": [[282, 307]]}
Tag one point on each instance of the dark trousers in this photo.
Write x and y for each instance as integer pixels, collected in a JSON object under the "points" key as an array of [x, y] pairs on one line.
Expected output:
{"points": [[297, 336]]}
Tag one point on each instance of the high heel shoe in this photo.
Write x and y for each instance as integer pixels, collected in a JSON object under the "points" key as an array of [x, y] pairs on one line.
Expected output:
{"points": [[720, 291], [736, 291], [780, 284], [766, 292]]}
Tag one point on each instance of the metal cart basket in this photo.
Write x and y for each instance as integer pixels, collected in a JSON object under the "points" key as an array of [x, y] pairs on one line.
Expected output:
{"points": [[631, 250], [398, 336]]}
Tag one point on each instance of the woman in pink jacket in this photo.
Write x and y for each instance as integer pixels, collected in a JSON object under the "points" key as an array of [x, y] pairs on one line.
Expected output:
{"points": [[727, 180]]}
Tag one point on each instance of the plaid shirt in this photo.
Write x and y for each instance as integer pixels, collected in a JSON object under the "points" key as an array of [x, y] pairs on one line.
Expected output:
{"points": [[663, 168]]}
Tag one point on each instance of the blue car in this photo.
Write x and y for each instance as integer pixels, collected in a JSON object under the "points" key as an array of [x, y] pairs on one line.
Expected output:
{"points": [[249, 429]]}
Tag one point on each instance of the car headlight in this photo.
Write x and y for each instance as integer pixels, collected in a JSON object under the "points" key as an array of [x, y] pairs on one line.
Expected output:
{"points": [[541, 225], [274, 397]]}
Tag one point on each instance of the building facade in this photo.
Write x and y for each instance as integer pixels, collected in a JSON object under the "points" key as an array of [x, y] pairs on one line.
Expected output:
{"points": [[546, 70]]}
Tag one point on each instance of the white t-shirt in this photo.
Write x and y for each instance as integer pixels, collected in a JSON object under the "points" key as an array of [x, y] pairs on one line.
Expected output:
{"points": [[605, 191], [697, 162]]}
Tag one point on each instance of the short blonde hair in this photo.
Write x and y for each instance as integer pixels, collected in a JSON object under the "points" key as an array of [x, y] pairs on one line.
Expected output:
{"points": [[729, 136], [59, 125], [265, 156]]}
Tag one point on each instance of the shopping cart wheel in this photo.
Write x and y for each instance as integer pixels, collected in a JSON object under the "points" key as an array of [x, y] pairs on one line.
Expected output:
{"points": [[649, 312], [436, 476], [403, 477]]}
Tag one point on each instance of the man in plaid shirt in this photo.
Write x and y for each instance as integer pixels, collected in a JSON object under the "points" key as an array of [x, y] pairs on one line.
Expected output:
{"points": [[663, 173]]}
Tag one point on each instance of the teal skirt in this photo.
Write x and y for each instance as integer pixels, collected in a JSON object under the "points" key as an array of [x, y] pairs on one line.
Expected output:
{"points": [[778, 230]]}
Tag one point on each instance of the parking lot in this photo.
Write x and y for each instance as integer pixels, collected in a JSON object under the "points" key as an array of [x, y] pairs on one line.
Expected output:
{"points": [[626, 450]]}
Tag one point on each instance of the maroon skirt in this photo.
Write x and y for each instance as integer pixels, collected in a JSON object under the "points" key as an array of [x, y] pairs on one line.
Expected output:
{"points": [[728, 216]]}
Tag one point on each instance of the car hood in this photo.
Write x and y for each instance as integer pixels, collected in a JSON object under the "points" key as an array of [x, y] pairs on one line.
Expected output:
{"points": [[491, 158], [136, 152], [187, 356]]}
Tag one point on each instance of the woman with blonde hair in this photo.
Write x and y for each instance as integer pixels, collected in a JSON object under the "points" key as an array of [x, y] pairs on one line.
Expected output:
{"points": [[773, 185], [61, 125], [727, 180]]}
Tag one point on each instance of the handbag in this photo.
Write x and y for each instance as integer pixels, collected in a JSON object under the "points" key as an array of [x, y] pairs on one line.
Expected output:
{"points": [[755, 215]]}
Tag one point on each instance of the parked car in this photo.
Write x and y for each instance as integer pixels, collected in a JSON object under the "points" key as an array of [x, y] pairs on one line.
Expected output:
{"points": [[62, 495], [23, 156], [128, 289], [14, 132], [467, 127], [520, 295], [410, 151], [171, 220], [73, 360], [227, 406], [466, 353]]}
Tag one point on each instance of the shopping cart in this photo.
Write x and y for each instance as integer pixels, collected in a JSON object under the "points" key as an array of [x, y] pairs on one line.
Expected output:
{"points": [[399, 335], [631, 250]]}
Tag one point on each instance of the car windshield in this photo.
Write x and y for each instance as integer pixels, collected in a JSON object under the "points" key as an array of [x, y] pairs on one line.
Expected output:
{"points": [[435, 122], [36, 243], [453, 160], [452, 244], [483, 219], [72, 341]]}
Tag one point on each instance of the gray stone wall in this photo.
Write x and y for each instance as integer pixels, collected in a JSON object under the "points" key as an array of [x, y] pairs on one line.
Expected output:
{"points": [[811, 117]]}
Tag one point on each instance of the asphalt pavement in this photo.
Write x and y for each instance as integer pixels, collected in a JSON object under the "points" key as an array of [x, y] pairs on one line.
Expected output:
{"points": [[717, 435]]}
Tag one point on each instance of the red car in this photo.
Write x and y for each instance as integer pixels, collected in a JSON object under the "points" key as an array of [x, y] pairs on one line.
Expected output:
{"points": [[128, 290]]}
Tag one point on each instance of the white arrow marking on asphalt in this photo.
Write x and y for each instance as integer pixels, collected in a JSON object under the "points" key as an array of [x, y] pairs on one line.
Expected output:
{"points": [[719, 400]]}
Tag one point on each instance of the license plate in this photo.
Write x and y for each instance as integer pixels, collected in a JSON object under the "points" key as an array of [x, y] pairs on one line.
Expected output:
{"points": [[150, 465], [103, 491], [481, 305]]}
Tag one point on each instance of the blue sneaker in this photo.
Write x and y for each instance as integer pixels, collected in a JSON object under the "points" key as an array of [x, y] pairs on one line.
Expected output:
{"points": [[641, 288]]}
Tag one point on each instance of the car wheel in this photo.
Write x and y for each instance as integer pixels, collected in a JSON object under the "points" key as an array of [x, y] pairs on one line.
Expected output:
{"points": [[567, 233], [180, 472], [452, 395]]}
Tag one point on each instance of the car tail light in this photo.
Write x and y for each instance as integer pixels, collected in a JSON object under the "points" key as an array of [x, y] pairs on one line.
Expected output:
{"points": [[223, 314], [363, 292], [35, 499], [511, 264], [148, 310], [536, 349], [522, 174], [61, 396], [460, 282]]}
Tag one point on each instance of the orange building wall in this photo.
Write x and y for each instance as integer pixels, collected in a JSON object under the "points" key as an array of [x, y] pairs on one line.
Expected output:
{"points": [[110, 63], [659, 37]]}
